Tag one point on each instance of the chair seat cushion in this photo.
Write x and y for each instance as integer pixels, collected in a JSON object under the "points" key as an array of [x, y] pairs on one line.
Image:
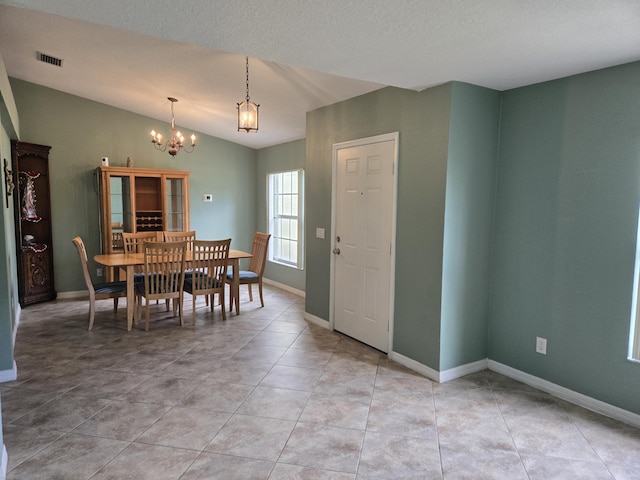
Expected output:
{"points": [[110, 287], [244, 275], [208, 281], [139, 287]]}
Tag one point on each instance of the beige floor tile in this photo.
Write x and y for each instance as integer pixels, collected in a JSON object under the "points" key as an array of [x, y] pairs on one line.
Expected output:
{"points": [[72, 457], [184, 427], [292, 378], [323, 447], [295, 472], [548, 468], [476, 462], [211, 466], [252, 437], [122, 420], [275, 403], [346, 411], [393, 456], [149, 462]]}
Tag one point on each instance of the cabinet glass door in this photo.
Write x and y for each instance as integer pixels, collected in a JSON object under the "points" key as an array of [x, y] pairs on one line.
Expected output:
{"points": [[175, 204], [120, 207]]}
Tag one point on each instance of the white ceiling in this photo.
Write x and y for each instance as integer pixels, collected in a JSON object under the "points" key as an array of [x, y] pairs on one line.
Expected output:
{"points": [[304, 54]]}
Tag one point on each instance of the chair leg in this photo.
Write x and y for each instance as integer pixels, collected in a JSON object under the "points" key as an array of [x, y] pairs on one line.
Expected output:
{"points": [[92, 313], [250, 292], [193, 308], [221, 299], [260, 291], [115, 304], [146, 320], [180, 309]]}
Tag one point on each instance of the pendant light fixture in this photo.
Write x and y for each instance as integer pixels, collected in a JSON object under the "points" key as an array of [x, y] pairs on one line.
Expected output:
{"points": [[248, 110], [174, 144]]}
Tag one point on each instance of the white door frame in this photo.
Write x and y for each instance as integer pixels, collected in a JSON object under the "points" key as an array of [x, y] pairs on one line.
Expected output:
{"points": [[334, 194]]}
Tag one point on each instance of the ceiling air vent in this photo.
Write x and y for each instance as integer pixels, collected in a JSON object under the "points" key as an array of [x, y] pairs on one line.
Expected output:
{"points": [[43, 57]]}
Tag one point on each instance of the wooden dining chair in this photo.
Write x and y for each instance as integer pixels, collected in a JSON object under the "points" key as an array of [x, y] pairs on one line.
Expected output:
{"points": [[134, 242], [256, 267], [98, 291], [163, 277], [209, 268], [188, 237]]}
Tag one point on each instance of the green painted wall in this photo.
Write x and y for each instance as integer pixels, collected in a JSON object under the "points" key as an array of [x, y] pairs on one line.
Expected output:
{"points": [[469, 204], [287, 156], [423, 122], [565, 232], [81, 131], [8, 277]]}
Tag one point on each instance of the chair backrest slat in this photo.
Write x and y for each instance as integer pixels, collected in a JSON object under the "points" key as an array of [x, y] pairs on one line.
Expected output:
{"points": [[188, 237], [134, 242], [210, 261], [259, 252], [164, 268]]}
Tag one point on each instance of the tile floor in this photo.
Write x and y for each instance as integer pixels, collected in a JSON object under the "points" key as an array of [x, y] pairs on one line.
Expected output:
{"points": [[265, 395]]}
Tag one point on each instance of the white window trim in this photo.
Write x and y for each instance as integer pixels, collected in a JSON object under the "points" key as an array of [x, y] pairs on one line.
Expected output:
{"points": [[634, 331], [301, 215]]}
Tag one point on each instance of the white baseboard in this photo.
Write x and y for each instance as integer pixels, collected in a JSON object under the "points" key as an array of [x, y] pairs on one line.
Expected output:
{"points": [[4, 463], [321, 322], [10, 374], [576, 398], [284, 287], [462, 370], [436, 376], [422, 369]]}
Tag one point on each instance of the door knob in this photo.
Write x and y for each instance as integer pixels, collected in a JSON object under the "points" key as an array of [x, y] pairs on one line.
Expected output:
{"points": [[336, 251]]}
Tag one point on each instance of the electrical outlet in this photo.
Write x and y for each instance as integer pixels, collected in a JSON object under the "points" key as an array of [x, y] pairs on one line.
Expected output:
{"points": [[541, 345], [99, 271], [207, 197]]}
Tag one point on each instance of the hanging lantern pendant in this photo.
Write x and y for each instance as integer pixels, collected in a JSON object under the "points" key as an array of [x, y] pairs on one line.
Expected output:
{"points": [[248, 110]]}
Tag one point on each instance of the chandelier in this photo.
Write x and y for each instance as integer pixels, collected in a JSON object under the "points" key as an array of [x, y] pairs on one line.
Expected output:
{"points": [[174, 144], [247, 110]]}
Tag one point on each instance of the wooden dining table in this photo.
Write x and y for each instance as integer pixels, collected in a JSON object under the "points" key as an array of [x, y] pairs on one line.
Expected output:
{"points": [[128, 262]]}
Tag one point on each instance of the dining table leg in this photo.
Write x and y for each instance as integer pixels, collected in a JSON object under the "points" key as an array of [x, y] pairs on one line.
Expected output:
{"points": [[130, 297], [235, 286]]}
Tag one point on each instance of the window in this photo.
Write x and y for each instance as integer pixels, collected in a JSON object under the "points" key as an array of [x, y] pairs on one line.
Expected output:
{"points": [[285, 192]]}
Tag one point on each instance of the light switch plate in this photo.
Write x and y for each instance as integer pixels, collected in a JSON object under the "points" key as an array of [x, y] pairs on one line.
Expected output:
{"points": [[207, 197], [319, 232]]}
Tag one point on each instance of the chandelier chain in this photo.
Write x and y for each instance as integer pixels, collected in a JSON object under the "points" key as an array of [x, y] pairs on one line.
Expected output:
{"points": [[247, 63]]}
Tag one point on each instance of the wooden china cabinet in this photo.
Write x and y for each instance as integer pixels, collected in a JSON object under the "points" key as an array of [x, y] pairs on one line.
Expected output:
{"points": [[32, 215], [141, 200]]}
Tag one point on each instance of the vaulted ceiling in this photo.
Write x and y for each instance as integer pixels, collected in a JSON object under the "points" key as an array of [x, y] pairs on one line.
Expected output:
{"points": [[304, 54]]}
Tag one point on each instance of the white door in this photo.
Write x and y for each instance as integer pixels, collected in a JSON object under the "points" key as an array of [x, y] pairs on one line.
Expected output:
{"points": [[364, 230]]}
